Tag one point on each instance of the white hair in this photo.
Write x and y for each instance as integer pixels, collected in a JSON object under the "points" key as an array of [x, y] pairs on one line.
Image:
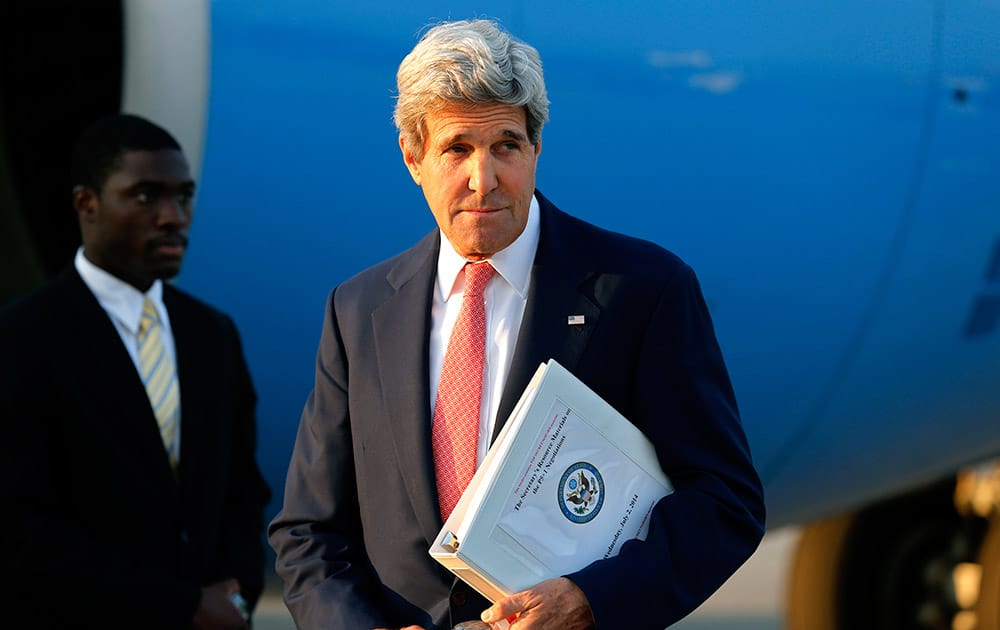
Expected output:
{"points": [[469, 62]]}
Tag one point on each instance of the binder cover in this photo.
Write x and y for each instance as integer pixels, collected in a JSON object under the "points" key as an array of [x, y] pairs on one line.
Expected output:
{"points": [[567, 482]]}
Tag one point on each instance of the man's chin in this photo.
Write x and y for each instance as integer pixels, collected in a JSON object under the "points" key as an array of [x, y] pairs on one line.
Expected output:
{"points": [[166, 270]]}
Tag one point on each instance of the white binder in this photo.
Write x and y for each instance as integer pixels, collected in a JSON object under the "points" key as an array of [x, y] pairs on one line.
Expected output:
{"points": [[567, 482]]}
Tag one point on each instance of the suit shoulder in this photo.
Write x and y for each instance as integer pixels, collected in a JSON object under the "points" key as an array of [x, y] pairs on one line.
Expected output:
{"points": [[180, 302], [616, 252], [35, 309], [374, 284]]}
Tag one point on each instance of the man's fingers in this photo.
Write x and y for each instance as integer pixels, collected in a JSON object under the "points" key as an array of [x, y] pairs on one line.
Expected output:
{"points": [[555, 603], [506, 608], [232, 586]]}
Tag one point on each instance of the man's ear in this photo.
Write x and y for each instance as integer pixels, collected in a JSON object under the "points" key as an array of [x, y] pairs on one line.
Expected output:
{"points": [[85, 201], [412, 164]]}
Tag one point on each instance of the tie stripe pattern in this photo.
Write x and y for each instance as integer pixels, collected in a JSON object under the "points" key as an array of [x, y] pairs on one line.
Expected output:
{"points": [[156, 368], [455, 432]]}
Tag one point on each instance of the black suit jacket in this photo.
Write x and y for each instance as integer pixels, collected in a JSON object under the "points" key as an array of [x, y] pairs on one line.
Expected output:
{"points": [[97, 528], [360, 507]]}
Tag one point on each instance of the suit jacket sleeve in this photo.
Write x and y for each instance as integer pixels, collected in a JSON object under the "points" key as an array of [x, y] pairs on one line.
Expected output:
{"points": [[682, 399], [241, 550], [318, 535]]}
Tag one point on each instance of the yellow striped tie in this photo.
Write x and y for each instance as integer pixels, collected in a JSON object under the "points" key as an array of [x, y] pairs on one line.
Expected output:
{"points": [[160, 378]]}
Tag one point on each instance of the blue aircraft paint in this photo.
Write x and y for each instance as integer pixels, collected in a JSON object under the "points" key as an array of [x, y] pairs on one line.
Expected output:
{"points": [[810, 160]]}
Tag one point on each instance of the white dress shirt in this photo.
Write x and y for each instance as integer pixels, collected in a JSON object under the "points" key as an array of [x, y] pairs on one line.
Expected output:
{"points": [[123, 304], [505, 297]]}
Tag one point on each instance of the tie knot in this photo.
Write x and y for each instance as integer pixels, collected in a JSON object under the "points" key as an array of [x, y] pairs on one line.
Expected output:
{"points": [[477, 275], [149, 315]]}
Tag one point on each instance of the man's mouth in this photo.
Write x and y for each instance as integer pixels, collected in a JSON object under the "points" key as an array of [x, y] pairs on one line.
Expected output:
{"points": [[170, 247]]}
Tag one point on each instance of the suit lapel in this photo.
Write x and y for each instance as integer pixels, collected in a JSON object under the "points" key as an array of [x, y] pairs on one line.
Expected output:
{"points": [[118, 396], [557, 277], [196, 381], [401, 328]]}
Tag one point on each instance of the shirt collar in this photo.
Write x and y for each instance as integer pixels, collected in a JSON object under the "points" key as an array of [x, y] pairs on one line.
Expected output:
{"points": [[513, 263], [119, 298]]}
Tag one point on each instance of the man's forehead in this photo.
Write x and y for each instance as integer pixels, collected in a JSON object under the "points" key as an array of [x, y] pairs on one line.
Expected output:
{"points": [[467, 120]]}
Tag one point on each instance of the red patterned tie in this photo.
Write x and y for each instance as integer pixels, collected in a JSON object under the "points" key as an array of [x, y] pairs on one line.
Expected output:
{"points": [[455, 433]]}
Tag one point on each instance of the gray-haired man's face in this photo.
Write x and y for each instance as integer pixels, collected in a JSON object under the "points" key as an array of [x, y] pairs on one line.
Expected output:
{"points": [[477, 172]]}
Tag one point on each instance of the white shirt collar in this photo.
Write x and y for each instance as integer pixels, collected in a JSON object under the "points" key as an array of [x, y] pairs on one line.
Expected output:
{"points": [[513, 263], [119, 298]]}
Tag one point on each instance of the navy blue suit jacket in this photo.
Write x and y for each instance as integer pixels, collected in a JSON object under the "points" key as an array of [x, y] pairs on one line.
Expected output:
{"points": [[360, 507], [98, 530]]}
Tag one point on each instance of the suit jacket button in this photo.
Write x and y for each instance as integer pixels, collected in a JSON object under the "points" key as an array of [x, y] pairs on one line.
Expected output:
{"points": [[458, 598]]}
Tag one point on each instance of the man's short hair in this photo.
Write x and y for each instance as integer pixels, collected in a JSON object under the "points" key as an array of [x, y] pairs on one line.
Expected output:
{"points": [[100, 148], [468, 62]]}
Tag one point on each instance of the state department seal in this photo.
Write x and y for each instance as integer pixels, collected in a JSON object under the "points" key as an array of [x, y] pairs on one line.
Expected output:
{"points": [[581, 492]]}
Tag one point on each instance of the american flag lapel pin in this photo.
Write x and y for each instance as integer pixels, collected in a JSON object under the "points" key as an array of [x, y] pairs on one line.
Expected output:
{"points": [[575, 320]]}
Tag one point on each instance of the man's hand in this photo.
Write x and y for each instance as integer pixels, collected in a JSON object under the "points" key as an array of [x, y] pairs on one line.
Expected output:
{"points": [[556, 604], [216, 611]]}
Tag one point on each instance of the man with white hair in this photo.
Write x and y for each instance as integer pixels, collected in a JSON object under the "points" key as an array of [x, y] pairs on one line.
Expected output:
{"points": [[387, 439]]}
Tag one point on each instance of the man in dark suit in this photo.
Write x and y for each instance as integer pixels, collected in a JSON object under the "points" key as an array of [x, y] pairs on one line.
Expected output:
{"points": [[365, 491], [131, 496]]}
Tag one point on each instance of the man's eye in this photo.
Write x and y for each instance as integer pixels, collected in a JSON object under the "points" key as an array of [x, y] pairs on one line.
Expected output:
{"points": [[144, 196], [455, 149]]}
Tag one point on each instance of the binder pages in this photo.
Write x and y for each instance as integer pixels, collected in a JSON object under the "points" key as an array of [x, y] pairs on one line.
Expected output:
{"points": [[567, 482]]}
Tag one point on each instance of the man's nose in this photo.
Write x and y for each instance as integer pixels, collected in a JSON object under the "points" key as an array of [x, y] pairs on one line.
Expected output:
{"points": [[174, 211], [483, 173]]}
